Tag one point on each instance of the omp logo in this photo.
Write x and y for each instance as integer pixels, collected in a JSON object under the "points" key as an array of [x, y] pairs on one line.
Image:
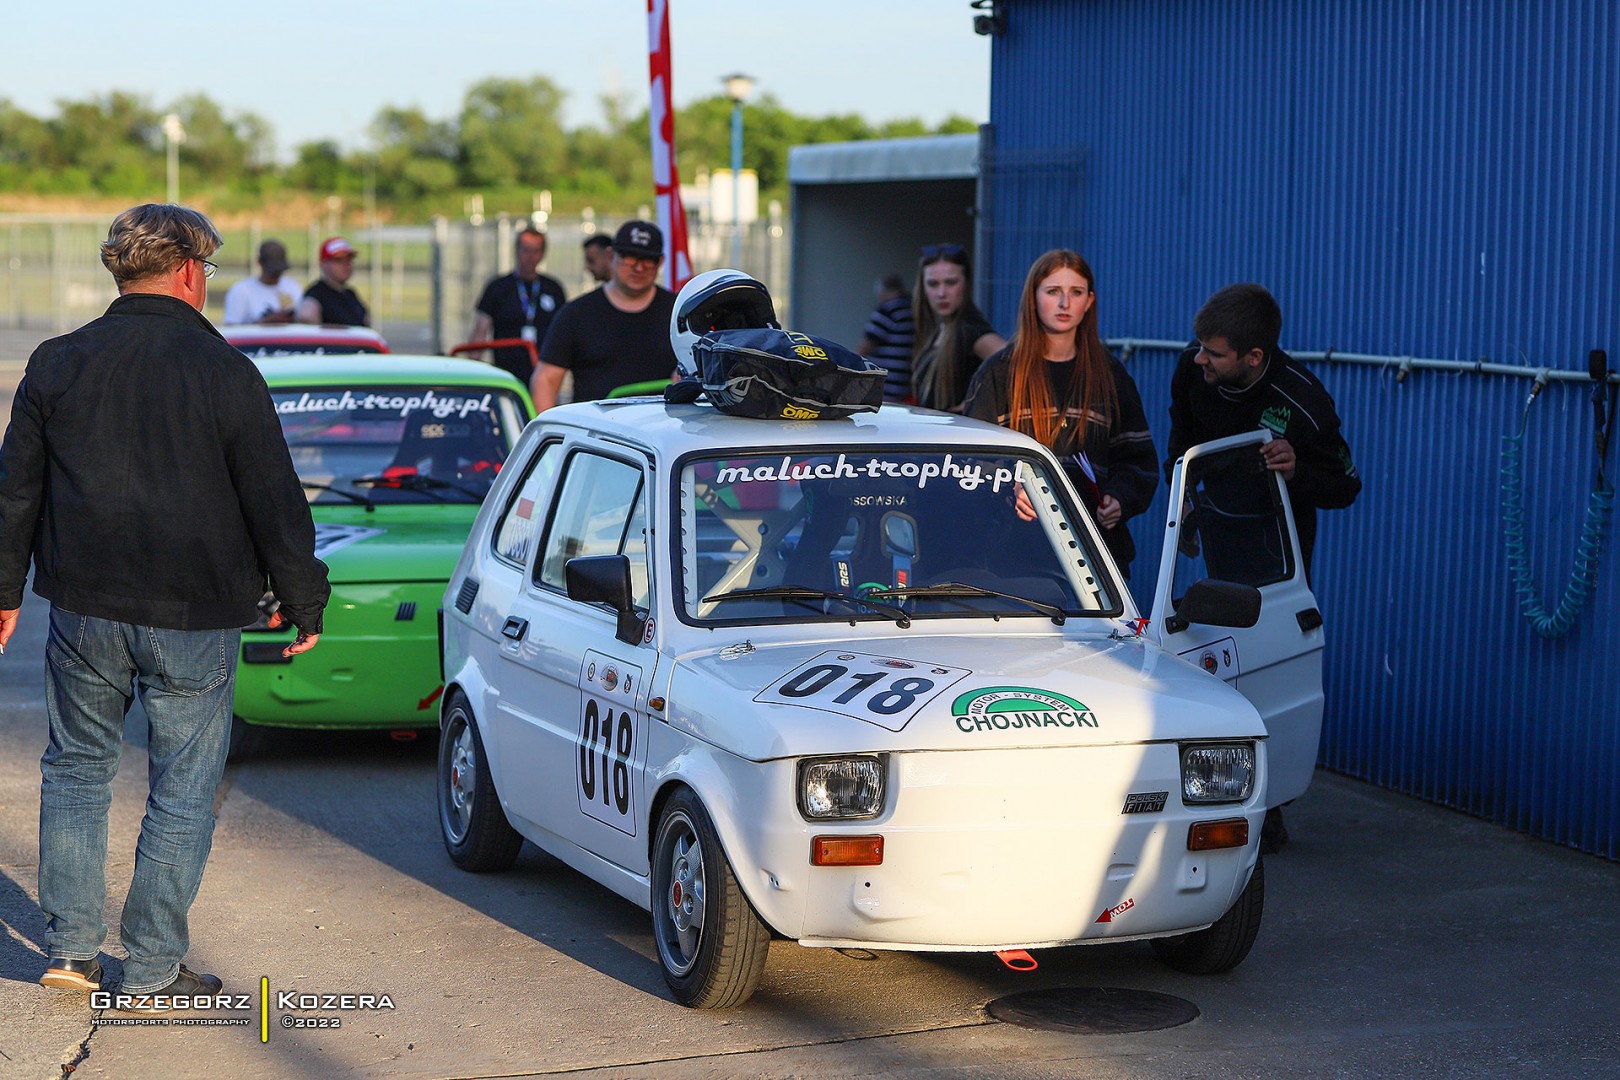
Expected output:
{"points": [[794, 412], [1004, 708], [810, 352]]}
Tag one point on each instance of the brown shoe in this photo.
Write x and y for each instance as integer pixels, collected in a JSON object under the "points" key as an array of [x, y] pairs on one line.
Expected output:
{"points": [[188, 990], [64, 974]]}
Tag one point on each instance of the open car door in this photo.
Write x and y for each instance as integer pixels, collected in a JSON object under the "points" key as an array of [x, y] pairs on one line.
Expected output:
{"points": [[1230, 520]]}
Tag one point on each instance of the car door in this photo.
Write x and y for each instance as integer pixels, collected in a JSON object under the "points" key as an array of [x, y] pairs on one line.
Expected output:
{"points": [[579, 693], [1230, 520]]}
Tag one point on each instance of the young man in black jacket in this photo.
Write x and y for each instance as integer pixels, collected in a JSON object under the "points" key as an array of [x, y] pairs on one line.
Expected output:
{"points": [[145, 474], [1235, 379]]}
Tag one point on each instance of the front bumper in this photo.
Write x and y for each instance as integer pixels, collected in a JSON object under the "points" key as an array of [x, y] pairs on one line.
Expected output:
{"points": [[998, 849]]}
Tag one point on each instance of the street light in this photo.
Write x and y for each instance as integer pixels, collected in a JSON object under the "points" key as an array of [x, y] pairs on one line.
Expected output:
{"points": [[174, 135], [738, 87]]}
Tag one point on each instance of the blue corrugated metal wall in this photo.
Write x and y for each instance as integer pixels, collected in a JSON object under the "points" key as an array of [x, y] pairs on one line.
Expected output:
{"points": [[1428, 179]]}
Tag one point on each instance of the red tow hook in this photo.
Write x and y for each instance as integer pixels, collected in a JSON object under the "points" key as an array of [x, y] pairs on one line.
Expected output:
{"points": [[1017, 959]]}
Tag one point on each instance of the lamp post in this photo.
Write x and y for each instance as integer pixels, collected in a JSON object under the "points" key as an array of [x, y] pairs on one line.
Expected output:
{"points": [[738, 87], [174, 135]]}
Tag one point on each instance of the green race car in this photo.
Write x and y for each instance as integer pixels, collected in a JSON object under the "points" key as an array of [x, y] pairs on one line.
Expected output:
{"points": [[396, 454]]}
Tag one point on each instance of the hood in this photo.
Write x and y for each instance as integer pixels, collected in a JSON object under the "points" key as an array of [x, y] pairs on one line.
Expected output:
{"points": [[384, 546], [965, 692]]}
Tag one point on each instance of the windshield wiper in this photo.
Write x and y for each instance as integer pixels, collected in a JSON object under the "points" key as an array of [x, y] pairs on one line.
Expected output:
{"points": [[957, 590], [427, 485], [363, 500], [805, 592]]}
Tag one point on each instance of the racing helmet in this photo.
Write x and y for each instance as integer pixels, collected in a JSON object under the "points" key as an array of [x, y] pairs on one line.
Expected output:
{"points": [[717, 300]]}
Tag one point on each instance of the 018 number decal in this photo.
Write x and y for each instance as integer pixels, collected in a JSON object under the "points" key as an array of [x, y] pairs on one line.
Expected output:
{"points": [[606, 740], [901, 695], [883, 690]]}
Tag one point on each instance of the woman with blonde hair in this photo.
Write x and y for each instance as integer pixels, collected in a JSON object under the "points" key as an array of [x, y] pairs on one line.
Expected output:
{"points": [[953, 336], [1058, 384]]}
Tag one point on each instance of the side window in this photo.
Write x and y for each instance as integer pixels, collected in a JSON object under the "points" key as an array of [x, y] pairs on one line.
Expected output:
{"points": [[635, 546], [599, 497], [519, 523], [1234, 527]]}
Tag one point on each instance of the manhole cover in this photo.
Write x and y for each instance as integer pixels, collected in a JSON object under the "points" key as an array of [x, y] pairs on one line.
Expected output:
{"points": [[1092, 1010]]}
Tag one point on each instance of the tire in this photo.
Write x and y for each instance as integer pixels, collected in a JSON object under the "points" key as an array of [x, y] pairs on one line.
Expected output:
{"points": [[476, 833], [711, 945], [246, 740], [1222, 946]]}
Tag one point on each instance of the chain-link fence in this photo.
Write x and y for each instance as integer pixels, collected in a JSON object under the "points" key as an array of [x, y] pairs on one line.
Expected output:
{"points": [[420, 281]]}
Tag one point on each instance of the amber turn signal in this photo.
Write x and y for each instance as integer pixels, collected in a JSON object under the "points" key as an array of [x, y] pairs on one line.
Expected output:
{"points": [[846, 851], [1209, 835]]}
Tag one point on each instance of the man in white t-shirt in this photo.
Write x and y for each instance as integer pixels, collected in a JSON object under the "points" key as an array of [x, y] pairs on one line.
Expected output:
{"points": [[272, 297]]}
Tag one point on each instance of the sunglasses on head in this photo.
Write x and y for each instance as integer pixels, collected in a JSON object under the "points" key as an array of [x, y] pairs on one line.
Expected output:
{"points": [[943, 251]]}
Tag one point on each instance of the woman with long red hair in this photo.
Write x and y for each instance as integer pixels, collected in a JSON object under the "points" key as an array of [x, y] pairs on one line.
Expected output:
{"points": [[1057, 383]]}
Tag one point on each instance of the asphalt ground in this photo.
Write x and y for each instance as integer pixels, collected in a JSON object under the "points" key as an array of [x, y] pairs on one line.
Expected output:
{"points": [[1400, 940]]}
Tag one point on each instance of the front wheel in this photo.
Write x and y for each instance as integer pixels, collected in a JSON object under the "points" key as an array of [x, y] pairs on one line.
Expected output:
{"points": [[476, 832], [711, 945], [1223, 945]]}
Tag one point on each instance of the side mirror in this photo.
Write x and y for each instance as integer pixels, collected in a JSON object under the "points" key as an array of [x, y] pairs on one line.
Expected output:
{"points": [[1215, 603], [605, 579]]}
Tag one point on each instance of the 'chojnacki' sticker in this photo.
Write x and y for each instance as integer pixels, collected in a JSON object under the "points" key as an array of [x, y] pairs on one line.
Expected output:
{"points": [[1005, 708]]}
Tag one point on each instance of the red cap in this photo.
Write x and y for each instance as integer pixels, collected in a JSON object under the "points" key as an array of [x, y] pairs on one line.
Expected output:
{"points": [[336, 248]]}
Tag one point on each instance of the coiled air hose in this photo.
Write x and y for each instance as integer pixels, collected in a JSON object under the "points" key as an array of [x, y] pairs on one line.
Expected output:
{"points": [[1599, 508]]}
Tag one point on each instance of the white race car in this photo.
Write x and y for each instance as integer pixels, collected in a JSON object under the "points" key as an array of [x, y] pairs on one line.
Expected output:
{"points": [[872, 683]]}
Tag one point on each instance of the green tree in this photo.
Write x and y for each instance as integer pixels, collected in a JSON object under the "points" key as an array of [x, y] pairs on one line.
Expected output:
{"points": [[511, 135], [416, 156], [117, 140], [25, 148], [320, 167], [224, 150]]}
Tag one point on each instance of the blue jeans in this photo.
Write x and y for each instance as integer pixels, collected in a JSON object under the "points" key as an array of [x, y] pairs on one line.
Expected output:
{"points": [[186, 680]]}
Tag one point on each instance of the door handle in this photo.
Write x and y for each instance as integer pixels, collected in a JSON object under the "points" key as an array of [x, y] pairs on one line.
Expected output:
{"points": [[515, 628]]}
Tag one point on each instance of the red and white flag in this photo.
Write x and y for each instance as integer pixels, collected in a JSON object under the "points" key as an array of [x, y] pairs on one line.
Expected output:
{"points": [[666, 179]]}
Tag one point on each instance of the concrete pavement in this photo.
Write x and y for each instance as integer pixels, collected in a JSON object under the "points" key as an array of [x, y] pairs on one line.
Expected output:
{"points": [[1399, 940]]}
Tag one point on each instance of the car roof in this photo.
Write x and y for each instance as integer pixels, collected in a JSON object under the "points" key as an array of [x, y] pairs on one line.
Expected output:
{"points": [[380, 369], [681, 429], [253, 333]]}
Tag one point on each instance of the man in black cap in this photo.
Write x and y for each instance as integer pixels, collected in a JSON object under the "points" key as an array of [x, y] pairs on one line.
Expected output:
{"points": [[616, 335]]}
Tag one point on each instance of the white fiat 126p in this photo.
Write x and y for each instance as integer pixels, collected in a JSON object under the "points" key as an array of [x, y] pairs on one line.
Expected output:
{"points": [[873, 683]]}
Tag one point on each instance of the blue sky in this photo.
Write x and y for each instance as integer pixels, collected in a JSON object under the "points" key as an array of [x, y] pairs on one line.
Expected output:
{"points": [[322, 70]]}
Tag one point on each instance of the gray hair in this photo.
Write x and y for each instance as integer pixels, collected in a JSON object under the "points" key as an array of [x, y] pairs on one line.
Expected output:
{"points": [[154, 238]]}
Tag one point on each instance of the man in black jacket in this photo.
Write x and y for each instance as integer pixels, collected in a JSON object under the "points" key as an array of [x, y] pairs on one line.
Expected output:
{"points": [[146, 475], [1235, 379]]}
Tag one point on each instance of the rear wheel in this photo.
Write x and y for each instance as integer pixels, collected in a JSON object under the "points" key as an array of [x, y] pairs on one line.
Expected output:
{"points": [[1223, 945], [476, 832], [711, 945]]}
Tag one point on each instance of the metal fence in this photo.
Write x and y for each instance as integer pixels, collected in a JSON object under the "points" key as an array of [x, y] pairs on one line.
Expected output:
{"points": [[420, 281]]}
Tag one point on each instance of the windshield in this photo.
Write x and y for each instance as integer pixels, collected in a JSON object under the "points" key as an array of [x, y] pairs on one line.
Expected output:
{"points": [[936, 533], [402, 444]]}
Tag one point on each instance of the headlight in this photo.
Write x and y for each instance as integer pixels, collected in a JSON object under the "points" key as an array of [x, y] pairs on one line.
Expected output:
{"points": [[841, 788], [1215, 774], [268, 606]]}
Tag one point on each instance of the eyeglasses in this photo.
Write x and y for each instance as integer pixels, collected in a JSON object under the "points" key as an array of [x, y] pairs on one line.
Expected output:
{"points": [[209, 269], [943, 251]]}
